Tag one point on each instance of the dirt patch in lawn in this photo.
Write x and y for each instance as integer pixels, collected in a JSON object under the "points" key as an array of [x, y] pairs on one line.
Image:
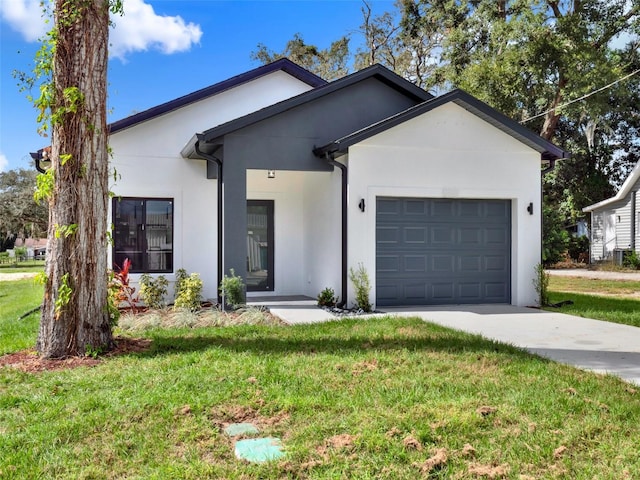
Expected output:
{"points": [[29, 361]]}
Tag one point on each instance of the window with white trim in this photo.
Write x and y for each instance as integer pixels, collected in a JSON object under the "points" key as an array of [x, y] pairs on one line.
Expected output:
{"points": [[143, 233]]}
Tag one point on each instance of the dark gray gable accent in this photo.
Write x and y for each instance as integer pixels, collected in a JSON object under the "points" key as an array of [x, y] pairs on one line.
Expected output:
{"points": [[548, 150], [283, 64], [377, 71]]}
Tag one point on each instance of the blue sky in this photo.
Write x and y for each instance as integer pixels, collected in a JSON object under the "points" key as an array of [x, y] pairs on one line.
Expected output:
{"points": [[162, 49]]}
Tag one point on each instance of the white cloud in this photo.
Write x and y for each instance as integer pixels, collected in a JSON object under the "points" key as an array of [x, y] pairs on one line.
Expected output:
{"points": [[25, 17], [139, 29], [4, 163]]}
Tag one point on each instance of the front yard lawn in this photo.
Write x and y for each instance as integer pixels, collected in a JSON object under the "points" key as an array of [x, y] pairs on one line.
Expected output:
{"points": [[610, 300], [17, 298], [382, 398]]}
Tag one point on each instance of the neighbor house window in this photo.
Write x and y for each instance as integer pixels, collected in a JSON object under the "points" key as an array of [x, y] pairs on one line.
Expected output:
{"points": [[143, 233]]}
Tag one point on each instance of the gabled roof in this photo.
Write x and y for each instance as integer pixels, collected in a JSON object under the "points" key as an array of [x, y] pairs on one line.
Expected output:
{"points": [[282, 64], [626, 188], [548, 150], [375, 71]]}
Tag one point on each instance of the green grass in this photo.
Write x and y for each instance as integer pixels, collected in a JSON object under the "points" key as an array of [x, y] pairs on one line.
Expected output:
{"points": [[17, 298], [610, 300], [23, 266], [382, 382], [379, 381]]}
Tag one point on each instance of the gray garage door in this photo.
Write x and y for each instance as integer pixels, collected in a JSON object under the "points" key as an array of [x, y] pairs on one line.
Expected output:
{"points": [[442, 251]]}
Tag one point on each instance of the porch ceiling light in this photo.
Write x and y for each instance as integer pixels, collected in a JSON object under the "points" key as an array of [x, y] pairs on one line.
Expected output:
{"points": [[271, 174]]}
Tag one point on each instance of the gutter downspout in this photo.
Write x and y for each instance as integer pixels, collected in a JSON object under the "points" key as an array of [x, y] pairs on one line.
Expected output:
{"points": [[345, 185], [218, 162]]}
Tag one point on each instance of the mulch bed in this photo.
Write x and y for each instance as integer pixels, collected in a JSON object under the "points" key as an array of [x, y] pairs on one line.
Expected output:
{"points": [[29, 361]]}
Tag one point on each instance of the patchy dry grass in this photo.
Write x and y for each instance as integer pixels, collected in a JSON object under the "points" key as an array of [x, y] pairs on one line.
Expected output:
{"points": [[182, 318], [592, 286]]}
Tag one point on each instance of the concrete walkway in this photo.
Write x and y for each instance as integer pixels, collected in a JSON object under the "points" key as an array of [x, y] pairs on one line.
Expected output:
{"points": [[588, 344]]}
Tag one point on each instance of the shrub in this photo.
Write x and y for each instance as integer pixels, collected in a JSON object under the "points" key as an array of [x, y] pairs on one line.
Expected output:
{"points": [[232, 289], [153, 292], [181, 276], [327, 298], [541, 284], [190, 293], [120, 292], [20, 252], [631, 260], [362, 286], [554, 236], [578, 248]]}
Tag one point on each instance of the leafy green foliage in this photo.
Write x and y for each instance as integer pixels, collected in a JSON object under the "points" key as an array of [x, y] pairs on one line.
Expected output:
{"points": [[153, 291], [64, 295], [541, 284], [327, 298], [189, 294], [362, 286], [232, 289], [554, 236], [631, 260], [19, 212], [578, 248], [328, 64], [65, 231]]}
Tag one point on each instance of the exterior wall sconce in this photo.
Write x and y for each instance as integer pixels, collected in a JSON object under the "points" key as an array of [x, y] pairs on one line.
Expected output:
{"points": [[271, 174], [42, 158], [361, 205], [530, 208]]}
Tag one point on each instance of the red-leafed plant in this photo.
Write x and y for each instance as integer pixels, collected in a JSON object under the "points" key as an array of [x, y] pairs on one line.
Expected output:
{"points": [[120, 289]]}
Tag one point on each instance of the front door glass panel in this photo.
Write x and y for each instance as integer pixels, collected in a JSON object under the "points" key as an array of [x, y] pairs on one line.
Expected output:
{"points": [[260, 246]]}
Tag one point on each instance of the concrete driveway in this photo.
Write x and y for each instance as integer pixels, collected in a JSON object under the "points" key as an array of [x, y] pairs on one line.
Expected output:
{"points": [[582, 342], [588, 344]]}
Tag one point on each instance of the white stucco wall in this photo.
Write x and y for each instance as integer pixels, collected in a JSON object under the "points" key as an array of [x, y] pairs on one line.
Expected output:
{"points": [[307, 251], [323, 232], [447, 153], [148, 163]]}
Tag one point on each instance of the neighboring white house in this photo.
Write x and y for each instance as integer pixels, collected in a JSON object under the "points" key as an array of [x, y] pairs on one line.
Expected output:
{"points": [[615, 222], [291, 182]]}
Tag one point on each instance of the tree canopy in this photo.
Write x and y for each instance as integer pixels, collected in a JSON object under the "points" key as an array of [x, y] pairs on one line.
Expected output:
{"points": [[20, 215]]}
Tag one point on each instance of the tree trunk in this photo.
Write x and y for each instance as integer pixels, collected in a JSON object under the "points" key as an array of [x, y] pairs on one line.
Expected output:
{"points": [[75, 319], [552, 117]]}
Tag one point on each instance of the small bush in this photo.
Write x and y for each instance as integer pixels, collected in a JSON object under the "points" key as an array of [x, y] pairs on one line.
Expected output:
{"points": [[120, 291], [190, 293], [327, 298], [541, 284], [153, 292], [232, 289], [578, 248], [181, 276], [362, 286], [631, 260]]}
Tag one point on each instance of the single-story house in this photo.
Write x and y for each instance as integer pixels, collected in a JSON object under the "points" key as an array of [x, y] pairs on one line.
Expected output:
{"points": [[615, 222], [292, 181]]}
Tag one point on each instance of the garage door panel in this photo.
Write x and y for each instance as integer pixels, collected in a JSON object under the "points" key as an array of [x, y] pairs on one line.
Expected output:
{"points": [[388, 235], [415, 235], [388, 263], [455, 251]]}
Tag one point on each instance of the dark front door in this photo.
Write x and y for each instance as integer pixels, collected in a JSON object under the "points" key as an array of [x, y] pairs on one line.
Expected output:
{"points": [[260, 246]]}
